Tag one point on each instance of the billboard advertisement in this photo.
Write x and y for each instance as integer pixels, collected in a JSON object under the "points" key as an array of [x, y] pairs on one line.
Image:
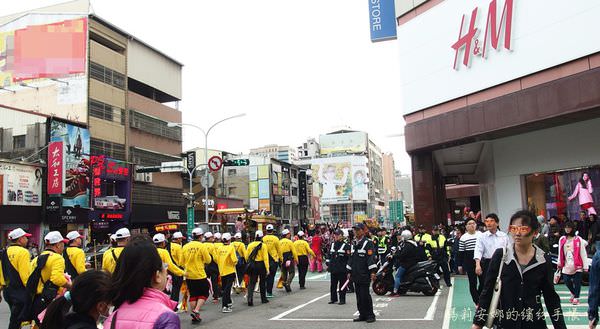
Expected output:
{"points": [[351, 142], [360, 182], [253, 189], [43, 64], [21, 185], [332, 182], [340, 179], [110, 183], [263, 171], [264, 189], [76, 150]]}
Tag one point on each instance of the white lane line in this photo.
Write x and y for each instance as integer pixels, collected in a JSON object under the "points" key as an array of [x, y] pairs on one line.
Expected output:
{"points": [[431, 310], [446, 323], [318, 276], [278, 317]]}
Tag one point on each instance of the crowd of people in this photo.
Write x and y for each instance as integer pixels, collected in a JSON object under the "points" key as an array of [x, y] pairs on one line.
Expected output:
{"points": [[147, 280]]}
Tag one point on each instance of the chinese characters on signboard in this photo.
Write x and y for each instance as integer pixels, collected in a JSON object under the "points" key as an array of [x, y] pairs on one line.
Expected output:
{"points": [[56, 168]]}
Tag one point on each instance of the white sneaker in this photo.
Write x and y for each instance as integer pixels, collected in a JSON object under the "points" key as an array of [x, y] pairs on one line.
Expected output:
{"points": [[226, 310]]}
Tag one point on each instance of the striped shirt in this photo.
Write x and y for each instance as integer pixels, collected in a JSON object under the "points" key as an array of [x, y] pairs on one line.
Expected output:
{"points": [[466, 249], [468, 241]]}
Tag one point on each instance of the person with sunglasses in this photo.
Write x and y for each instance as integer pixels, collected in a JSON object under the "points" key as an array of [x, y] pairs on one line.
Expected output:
{"points": [[526, 276], [572, 260], [486, 245]]}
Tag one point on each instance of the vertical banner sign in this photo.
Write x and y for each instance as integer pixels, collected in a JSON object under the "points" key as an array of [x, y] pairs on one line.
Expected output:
{"points": [[97, 168], [382, 20], [56, 168]]}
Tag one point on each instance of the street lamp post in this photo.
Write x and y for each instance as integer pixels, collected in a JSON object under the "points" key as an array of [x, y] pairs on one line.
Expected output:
{"points": [[191, 173]]}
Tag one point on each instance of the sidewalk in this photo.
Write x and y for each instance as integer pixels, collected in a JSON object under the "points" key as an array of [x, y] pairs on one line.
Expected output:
{"points": [[461, 312]]}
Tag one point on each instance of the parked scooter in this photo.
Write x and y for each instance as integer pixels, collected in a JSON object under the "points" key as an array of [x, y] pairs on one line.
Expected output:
{"points": [[421, 278]]}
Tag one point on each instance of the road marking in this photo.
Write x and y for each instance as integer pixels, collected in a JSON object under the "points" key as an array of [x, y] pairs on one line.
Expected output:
{"points": [[446, 324], [319, 276], [278, 317], [431, 310]]}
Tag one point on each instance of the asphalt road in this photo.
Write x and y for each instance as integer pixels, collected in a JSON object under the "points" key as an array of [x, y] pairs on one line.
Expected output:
{"points": [[309, 308]]}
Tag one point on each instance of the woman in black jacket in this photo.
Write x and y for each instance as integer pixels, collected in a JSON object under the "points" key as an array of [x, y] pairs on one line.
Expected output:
{"points": [[526, 277]]}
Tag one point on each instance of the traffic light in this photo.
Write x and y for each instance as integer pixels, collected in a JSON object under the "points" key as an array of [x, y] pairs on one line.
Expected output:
{"points": [[236, 163]]}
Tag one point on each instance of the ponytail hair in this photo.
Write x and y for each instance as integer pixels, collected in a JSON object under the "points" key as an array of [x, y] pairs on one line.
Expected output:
{"points": [[89, 289]]}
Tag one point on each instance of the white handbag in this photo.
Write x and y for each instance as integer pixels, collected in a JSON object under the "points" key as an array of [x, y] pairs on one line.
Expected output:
{"points": [[496, 295]]}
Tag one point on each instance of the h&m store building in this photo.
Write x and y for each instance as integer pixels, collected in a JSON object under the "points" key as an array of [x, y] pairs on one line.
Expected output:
{"points": [[504, 94]]}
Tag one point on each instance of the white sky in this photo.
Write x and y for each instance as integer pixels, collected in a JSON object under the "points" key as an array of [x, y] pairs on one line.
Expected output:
{"points": [[297, 68]]}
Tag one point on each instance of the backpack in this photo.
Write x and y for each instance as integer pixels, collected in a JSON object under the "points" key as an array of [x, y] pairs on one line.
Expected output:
{"points": [[39, 302], [251, 266], [69, 267]]}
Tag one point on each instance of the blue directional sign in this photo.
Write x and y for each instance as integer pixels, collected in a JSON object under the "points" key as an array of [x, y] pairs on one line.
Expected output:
{"points": [[382, 20]]}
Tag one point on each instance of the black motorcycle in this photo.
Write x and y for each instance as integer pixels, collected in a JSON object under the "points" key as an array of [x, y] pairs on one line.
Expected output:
{"points": [[422, 278]]}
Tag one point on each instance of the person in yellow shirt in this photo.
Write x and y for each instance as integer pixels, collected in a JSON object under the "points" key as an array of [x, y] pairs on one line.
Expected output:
{"points": [[226, 259], [195, 258], [217, 240], [111, 256], [274, 249], [74, 255], [175, 251], [175, 247], [303, 250], [257, 257], [50, 265], [14, 273], [240, 250], [290, 259], [161, 242]]}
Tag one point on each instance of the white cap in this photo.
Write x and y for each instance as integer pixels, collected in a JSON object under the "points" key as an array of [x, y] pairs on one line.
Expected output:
{"points": [[238, 235], [300, 233], [54, 237], [258, 234], [226, 236], [178, 235], [113, 237], [218, 236], [17, 233], [122, 233], [270, 227], [208, 235], [158, 238], [197, 231], [73, 235], [285, 232]]}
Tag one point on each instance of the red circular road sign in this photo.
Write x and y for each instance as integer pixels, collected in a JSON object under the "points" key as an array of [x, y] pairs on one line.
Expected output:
{"points": [[215, 163]]}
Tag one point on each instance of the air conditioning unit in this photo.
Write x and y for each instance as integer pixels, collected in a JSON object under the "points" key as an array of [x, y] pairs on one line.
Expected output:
{"points": [[148, 177], [136, 124], [139, 177]]}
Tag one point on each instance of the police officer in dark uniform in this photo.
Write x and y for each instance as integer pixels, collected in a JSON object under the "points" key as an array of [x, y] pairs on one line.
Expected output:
{"points": [[337, 259], [363, 268]]}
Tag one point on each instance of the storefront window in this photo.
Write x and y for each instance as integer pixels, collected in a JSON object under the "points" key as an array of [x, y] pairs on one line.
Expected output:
{"points": [[565, 192]]}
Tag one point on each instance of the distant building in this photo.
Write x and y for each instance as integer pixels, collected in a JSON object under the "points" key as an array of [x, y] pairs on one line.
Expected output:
{"points": [[345, 179], [309, 149], [404, 189], [281, 153]]}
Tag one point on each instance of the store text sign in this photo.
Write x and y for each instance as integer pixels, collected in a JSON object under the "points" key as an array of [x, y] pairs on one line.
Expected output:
{"points": [[457, 48], [468, 41], [56, 168]]}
